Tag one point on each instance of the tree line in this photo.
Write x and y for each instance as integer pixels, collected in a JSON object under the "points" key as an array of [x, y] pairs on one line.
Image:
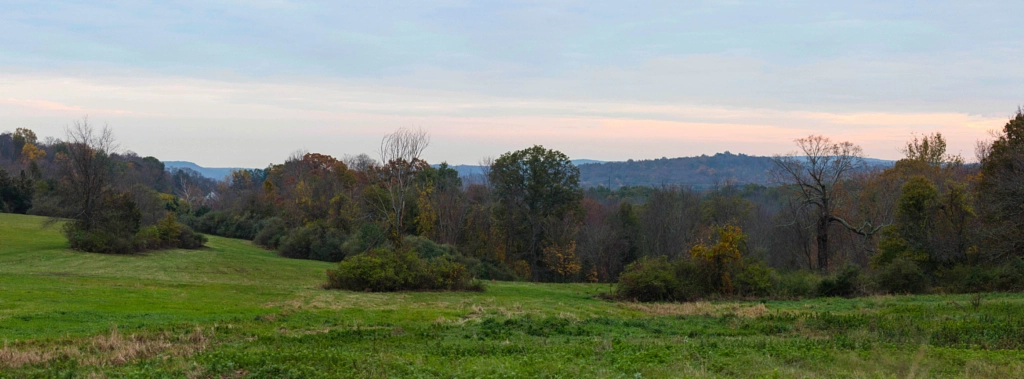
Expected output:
{"points": [[928, 222], [106, 201]]}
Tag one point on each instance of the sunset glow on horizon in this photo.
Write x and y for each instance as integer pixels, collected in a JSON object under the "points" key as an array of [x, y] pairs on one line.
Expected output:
{"points": [[226, 84]]}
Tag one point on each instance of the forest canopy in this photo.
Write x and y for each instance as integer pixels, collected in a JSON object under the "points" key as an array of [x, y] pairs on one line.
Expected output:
{"points": [[928, 222]]}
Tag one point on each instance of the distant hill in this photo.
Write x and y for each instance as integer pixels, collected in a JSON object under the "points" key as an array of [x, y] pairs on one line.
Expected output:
{"points": [[215, 173], [467, 170], [699, 172], [474, 170]]}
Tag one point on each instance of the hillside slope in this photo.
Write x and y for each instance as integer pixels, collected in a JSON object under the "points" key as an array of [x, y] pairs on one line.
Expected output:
{"points": [[234, 310]]}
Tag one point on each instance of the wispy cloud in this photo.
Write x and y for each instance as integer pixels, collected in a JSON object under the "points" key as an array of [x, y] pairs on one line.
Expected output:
{"points": [[240, 81], [339, 118]]}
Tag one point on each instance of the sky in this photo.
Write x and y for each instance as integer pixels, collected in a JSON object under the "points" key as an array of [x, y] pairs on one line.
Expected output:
{"points": [[232, 83]]}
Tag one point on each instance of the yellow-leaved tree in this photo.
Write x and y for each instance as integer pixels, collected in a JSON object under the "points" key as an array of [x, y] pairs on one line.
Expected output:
{"points": [[562, 259], [720, 259], [427, 216]]}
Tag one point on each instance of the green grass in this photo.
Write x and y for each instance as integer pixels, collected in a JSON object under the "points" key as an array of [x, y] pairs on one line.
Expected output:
{"points": [[234, 310]]}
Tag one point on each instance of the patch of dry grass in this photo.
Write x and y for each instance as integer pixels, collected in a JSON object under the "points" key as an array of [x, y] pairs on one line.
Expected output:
{"points": [[699, 308], [339, 300], [113, 349]]}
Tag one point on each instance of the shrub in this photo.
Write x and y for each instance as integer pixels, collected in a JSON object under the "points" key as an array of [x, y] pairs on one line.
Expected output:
{"points": [[112, 230], [378, 271], [691, 280], [483, 269], [755, 279], [649, 280], [297, 243], [968, 278], [427, 249], [796, 285], [169, 231], [443, 274], [369, 236], [273, 232], [98, 240], [1010, 276], [244, 226], [148, 238], [328, 246], [845, 284], [315, 241], [901, 275], [658, 279], [383, 270], [168, 234], [487, 269], [189, 239], [965, 278]]}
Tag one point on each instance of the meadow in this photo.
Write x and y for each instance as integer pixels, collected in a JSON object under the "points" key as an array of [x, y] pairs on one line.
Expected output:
{"points": [[235, 310]]}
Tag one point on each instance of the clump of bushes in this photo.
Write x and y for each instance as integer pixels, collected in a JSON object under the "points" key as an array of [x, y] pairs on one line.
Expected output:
{"points": [[244, 225], [796, 285], [111, 230], [1008, 277], [901, 276], [116, 230], [755, 279], [168, 234], [844, 284], [315, 241], [318, 240], [659, 279], [717, 269], [388, 270], [651, 280], [273, 232], [480, 268]]}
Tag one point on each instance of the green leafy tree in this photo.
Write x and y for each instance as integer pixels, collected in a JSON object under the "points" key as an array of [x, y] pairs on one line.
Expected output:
{"points": [[539, 201], [15, 193], [930, 150], [1001, 190], [626, 223], [23, 138], [910, 237], [933, 213]]}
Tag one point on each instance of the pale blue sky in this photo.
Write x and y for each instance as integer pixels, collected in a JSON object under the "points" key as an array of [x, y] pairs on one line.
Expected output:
{"points": [[243, 83]]}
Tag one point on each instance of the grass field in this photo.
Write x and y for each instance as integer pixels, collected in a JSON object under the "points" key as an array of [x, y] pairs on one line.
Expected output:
{"points": [[234, 310]]}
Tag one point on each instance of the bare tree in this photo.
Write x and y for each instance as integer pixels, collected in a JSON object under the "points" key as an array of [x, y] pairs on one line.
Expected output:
{"points": [[83, 170], [191, 193], [485, 170], [797, 226], [817, 178], [400, 158], [670, 221], [360, 163]]}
